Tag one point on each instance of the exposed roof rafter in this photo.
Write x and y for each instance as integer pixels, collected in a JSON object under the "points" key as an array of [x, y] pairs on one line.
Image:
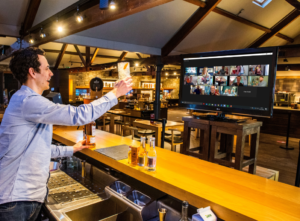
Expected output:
{"points": [[80, 55], [275, 29], [189, 25], [294, 3], [60, 56], [122, 56], [94, 55], [30, 16]]}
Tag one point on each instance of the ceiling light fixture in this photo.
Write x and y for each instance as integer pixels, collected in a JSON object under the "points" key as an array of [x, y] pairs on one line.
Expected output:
{"points": [[112, 4], [42, 33], [167, 73], [79, 17], [31, 41], [59, 28], [136, 64], [174, 72]]}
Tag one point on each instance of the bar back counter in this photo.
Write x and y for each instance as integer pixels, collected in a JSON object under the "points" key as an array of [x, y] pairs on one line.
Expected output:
{"points": [[233, 195]]}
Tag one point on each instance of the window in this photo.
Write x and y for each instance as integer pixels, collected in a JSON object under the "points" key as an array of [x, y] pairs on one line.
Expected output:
{"points": [[261, 3]]}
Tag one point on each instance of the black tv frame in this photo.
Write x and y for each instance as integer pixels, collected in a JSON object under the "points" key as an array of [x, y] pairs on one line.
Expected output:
{"points": [[273, 69]]}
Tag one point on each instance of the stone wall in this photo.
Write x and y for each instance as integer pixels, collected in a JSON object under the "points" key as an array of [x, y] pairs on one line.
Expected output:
{"points": [[172, 83]]}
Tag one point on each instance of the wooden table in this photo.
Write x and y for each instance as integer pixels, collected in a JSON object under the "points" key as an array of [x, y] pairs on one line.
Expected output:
{"points": [[158, 128], [232, 194]]}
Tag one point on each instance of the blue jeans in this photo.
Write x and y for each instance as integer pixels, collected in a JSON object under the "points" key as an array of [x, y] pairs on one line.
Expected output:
{"points": [[20, 211]]}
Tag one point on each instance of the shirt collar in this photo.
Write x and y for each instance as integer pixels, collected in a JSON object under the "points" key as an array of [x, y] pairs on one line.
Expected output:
{"points": [[25, 88]]}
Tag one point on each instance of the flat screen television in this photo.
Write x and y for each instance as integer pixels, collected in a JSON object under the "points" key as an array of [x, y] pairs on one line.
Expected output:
{"points": [[237, 81]]}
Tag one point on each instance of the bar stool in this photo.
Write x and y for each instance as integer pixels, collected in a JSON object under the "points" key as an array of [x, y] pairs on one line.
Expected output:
{"points": [[174, 139], [202, 151], [227, 131]]}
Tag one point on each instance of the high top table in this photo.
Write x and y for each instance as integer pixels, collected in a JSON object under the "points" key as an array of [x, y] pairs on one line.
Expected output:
{"points": [[233, 195]]}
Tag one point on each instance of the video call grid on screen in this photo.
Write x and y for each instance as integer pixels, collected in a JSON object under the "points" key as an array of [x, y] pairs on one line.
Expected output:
{"points": [[237, 79]]}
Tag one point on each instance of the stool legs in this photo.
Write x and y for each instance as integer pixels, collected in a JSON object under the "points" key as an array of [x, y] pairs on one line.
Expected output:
{"points": [[239, 151], [254, 151]]}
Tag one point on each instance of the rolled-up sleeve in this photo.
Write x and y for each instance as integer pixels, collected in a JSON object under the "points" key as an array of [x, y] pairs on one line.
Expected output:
{"points": [[61, 151], [40, 110]]}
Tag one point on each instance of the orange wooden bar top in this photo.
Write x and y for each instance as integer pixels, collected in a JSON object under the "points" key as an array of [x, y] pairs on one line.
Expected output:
{"points": [[232, 194]]}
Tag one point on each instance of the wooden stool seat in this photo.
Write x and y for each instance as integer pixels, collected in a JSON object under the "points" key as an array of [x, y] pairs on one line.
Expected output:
{"points": [[225, 154]]}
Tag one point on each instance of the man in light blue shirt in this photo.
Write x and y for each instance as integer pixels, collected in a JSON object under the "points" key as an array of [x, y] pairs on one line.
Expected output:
{"points": [[26, 134]]}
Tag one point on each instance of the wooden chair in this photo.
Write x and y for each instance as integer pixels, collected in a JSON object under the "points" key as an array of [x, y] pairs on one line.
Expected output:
{"points": [[174, 140], [133, 130], [102, 122]]}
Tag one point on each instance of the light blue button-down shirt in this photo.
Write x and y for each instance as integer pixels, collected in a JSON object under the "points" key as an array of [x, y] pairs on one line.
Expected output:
{"points": [[25, 141]]}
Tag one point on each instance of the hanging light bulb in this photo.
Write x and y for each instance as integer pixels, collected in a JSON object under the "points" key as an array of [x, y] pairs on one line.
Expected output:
{"points": [[175, 73], [78, 15], [136, 64], [112, 4], [42, 33]]}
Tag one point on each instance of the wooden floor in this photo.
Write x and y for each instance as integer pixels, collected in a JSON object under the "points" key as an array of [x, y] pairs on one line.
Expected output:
{"points": [[269, 154]]}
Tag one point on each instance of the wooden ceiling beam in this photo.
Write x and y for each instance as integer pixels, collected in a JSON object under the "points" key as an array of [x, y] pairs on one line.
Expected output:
{"points": [[60, 56], [88, 56], [84, 54], [140, 57], [80, 55], [294, 3], [93, 17], [275, 29], [30, 16], [122, 56], [197, 2], [94, 55], [189, 26]]}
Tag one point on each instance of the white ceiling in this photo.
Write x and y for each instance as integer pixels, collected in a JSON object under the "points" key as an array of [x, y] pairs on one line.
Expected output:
{"points": [[152, 27], [48, 8], [217, 32]]}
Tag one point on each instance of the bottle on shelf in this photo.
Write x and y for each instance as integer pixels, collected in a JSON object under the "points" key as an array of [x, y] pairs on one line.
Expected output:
{"points": [[91, 133], [151, 156], [142, 153], [184, 213]]}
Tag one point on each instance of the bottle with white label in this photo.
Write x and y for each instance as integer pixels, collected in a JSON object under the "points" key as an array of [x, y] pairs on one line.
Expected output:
{"points": [[91, 134], [151, 156]]}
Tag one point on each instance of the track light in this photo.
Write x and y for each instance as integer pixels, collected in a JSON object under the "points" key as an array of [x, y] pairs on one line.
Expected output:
{"points": [[112, 5], [79, 17], [59, 28], [31, 41], [42, 33]]}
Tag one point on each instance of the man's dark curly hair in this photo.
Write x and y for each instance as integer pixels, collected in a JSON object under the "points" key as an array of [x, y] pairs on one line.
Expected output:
{"points": [[24, 59]]}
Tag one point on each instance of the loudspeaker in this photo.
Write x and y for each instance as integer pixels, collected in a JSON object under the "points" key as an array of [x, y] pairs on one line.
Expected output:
{"points": [[103, 4]]}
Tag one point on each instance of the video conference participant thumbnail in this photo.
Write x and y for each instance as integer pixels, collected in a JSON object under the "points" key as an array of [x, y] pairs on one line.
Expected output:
{"points": [[205, 80], [221, 80], [206, 70], [259, 70], [199, 90], [261, 81], [238, 81], [189, 73], [239, 70], [221, 70], [229, 91], [212, 90]]}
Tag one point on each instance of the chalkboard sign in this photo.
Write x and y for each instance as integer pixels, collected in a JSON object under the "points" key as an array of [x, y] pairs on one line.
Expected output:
{"points": [[96, 83]]}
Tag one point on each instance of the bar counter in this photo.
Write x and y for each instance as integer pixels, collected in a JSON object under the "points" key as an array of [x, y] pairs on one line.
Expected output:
{"points": [[233, 195]]}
